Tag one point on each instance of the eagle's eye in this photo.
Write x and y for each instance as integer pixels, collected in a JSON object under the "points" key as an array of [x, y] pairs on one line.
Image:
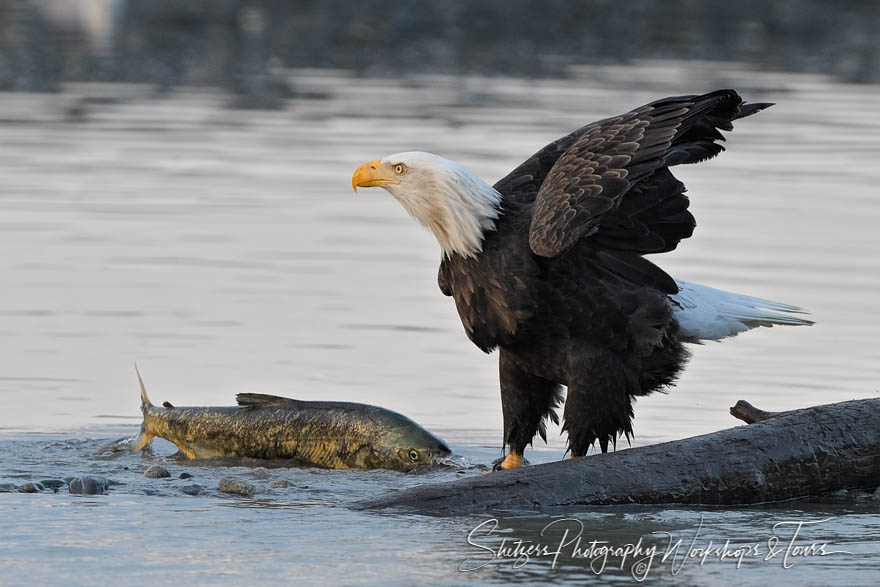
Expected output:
{"points": [[414, 455], [399, 169]]}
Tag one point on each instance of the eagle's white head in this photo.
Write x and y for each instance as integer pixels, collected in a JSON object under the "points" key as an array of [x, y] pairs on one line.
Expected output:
{"points": [[453, 203]]}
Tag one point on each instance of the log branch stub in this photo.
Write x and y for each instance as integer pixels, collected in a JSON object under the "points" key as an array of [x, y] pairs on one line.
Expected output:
{"points": [[749, 414]]}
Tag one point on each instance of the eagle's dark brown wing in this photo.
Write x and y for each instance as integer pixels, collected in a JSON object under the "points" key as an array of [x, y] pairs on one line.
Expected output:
{"points": [[588, 184]]}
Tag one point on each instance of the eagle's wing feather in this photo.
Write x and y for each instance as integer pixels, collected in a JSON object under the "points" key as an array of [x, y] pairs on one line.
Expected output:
{"points": [[588, 184]]}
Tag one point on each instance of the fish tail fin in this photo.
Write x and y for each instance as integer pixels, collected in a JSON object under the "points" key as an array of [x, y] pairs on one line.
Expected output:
{"points": [[145, 401], [143, 438], [145, 435]]}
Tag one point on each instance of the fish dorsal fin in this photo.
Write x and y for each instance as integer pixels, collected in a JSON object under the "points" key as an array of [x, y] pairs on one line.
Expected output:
{"points": [[256, 400]]}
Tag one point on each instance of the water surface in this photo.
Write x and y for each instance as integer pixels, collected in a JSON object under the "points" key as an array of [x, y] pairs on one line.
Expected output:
{"points": [[224, 252]]}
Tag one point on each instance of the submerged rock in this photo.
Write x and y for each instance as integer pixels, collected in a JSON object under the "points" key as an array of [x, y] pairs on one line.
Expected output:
{"points": [[260, 473], [53, 484], [280, 484], [88, 485], [8, 487], [235, 486], [185, 476], [32, 487], [192, 489], [156, 472]]}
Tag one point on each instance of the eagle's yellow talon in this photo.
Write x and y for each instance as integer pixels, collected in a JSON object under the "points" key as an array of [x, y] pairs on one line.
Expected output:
{"points": [[511, 461]]}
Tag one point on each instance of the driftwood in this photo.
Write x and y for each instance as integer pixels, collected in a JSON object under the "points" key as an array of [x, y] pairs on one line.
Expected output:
{"points": [[790, 455]]}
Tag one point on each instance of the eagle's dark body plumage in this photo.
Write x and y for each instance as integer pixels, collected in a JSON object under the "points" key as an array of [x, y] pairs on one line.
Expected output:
{"points": [[561, 286]]}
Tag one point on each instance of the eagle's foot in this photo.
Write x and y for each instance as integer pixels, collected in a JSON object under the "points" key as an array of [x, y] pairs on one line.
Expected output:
{"points": [[511, 461]]}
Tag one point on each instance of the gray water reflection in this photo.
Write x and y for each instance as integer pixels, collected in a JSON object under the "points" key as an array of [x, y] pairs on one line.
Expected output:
{"points": [[244, 45], [224, 251]]}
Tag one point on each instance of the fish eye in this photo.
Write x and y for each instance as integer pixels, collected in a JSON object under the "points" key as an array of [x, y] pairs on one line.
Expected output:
{"points": [[399, 169], [414, 454]]}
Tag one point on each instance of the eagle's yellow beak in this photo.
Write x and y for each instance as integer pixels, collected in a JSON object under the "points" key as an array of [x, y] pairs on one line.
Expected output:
{"points": [[372, 174]]}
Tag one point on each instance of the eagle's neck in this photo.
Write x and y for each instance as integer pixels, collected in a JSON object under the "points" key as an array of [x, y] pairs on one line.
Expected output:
{"points": [[455, 205]]}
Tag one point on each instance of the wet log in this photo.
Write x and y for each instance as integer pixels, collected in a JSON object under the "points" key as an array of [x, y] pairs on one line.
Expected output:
{"points": [[796, 454]]}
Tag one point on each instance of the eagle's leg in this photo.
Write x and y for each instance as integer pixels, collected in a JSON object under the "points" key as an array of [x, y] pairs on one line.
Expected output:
{"points": [[526, 400], [598, 406]]}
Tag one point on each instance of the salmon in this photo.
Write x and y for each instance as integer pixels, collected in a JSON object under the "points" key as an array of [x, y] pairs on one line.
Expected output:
{"points": [[336, 435]]}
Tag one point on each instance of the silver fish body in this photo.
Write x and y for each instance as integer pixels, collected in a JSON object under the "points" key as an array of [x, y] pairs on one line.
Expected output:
{"points": [[338, 435]]}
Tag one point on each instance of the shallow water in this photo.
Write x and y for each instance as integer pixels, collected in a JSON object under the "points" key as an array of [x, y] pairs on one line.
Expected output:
{"points": [[151, 530], [224, 252]]}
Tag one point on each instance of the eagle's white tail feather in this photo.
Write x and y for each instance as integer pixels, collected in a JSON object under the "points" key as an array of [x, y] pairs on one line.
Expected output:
{"points": [[706, 313]]}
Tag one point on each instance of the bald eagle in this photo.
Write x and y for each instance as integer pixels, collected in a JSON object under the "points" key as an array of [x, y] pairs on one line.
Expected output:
{"points": [[548, 265]]}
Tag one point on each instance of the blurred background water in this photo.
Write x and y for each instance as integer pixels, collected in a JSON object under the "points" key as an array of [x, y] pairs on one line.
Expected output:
{"points": [[175, 190]]}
